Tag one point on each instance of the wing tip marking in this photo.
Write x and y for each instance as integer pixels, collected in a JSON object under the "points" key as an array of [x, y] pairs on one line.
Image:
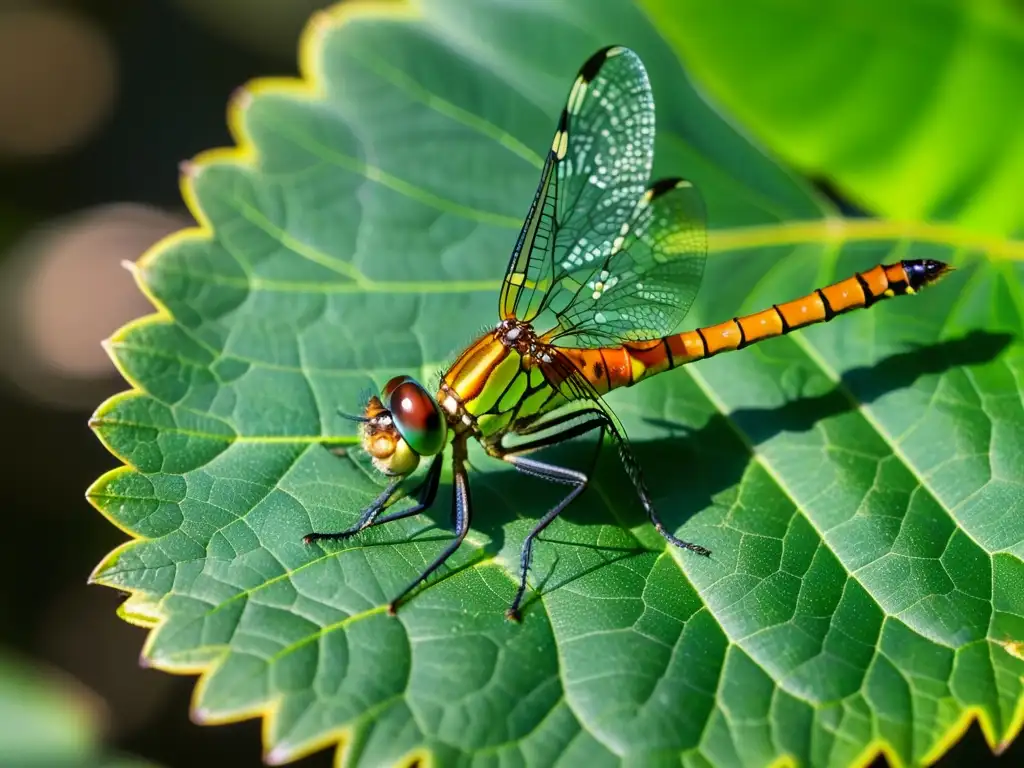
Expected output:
{"points": [[593, 65]]}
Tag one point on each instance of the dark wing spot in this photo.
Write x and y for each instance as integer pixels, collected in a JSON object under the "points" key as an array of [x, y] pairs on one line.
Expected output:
{"points": [[592, 65], [598, 370], [661, 186]]}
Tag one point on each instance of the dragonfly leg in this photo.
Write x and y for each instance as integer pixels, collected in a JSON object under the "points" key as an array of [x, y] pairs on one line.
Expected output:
{"points": [[426, 493], [556, 475], [596, 420], [633, 470], [669, 537], [553, 474], [462, 513]]}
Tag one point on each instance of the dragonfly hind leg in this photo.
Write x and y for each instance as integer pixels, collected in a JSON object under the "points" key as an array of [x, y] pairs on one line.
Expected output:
{"points": [[633, 470], [579, 480]]}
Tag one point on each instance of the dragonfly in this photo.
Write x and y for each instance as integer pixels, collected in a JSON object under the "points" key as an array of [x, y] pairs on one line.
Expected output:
{"points": [[605, 268]]}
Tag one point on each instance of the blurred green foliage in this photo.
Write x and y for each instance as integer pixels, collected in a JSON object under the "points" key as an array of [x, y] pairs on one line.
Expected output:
{"points": [[914, 109], [46, 722]]}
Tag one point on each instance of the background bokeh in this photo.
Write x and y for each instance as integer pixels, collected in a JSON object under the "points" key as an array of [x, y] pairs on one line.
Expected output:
{"points": [[100, 100]]}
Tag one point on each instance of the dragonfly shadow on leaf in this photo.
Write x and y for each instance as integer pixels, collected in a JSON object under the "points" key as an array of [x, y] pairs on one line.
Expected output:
{"points": [[556, 573], [714, 457]]}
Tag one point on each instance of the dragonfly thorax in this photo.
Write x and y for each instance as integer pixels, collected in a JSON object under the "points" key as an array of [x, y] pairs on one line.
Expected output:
{"points": [[520, 336]]}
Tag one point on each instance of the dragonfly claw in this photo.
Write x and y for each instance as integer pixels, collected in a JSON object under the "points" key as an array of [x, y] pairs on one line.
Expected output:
{"points": [[309, 538]]}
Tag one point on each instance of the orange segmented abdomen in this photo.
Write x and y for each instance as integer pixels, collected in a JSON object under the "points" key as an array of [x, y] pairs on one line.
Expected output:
{"points": [[605, 369], [609, 368], [613, 367]]}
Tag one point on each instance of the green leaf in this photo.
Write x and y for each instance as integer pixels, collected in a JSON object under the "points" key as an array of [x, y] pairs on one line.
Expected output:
{"points": [[45, 721], [912, 109], [859, 483]]}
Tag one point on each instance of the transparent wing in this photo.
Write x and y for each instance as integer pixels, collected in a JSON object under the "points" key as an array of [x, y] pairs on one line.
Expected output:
{"points": [[647, 283], [593, 177]]}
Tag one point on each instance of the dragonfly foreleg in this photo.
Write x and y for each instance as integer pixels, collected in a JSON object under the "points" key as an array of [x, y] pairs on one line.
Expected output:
{"points": [[462, 513], [425, 493]]}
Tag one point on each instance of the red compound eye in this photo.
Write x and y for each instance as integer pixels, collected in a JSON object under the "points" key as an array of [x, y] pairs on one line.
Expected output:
{"points": [[385, 394], [417, 415]]}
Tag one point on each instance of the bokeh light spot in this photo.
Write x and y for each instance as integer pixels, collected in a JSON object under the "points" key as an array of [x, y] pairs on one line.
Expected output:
{"points": [[58, 79], [66, 290]]}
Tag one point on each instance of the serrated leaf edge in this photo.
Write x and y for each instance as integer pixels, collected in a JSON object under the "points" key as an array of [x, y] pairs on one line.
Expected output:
{"points": [[139, 609]]}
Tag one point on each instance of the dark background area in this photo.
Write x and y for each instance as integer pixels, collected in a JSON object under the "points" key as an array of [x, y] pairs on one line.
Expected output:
{"points": [[80, 191], [163, 84]]}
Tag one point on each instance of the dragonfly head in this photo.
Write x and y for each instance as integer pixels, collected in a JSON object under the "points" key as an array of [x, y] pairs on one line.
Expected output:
{"points": [[402, 425]]}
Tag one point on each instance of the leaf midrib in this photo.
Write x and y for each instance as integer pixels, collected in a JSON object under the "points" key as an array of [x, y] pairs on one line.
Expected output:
{"points": [[836, 231]]}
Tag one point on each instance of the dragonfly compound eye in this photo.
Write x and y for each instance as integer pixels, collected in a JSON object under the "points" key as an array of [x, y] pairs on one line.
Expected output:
{"points": [[417, 416]]}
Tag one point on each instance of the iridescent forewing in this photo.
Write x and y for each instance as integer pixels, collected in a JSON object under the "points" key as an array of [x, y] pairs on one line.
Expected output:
{"points": [[611, 259], [594, 174]]}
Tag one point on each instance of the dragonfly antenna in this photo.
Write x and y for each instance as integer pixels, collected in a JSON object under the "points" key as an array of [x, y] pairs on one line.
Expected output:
{"points": [[353, 417]]}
